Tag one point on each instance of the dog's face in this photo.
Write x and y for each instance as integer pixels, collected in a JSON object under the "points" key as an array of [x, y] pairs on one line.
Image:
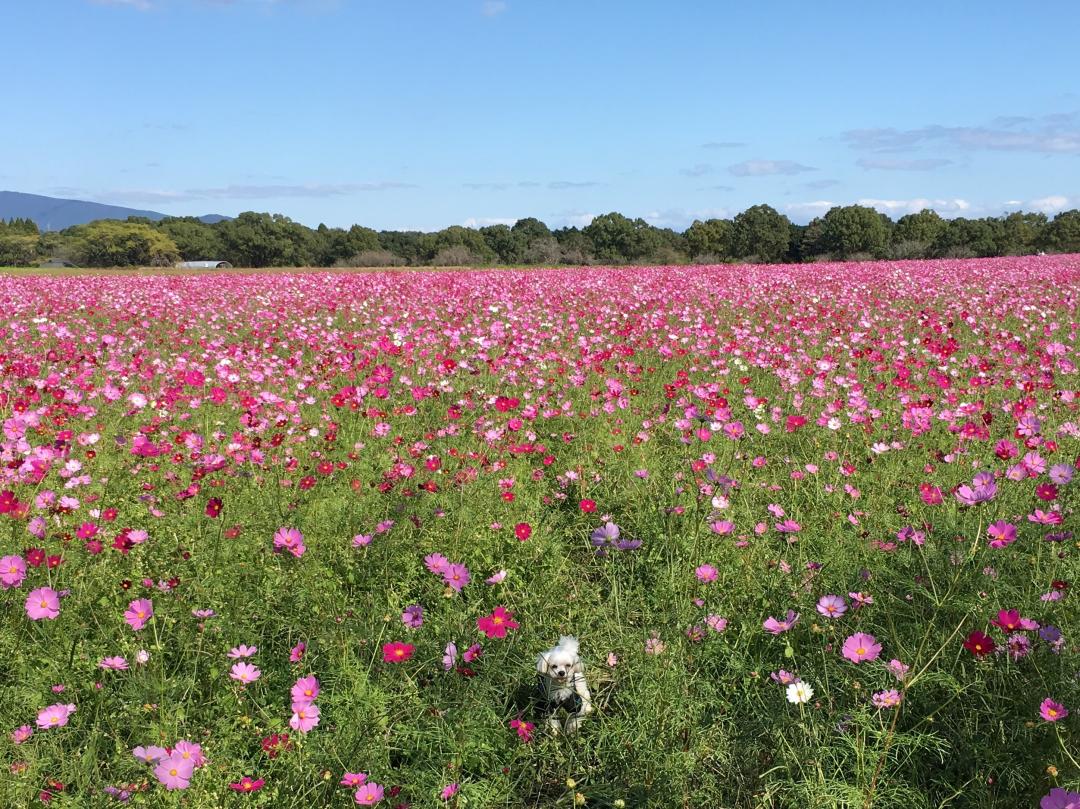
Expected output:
{"points": [[560, 663]]}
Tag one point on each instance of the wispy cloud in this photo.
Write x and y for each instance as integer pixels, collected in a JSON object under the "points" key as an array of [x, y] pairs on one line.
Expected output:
{"points": [[310, 190], [722, 144], [905, 206], [819, 185], [562, 185], [1050, 205], [764, 168], [697, 170], [887, 164], [493, 8], [1058, 133], [716, 188]]}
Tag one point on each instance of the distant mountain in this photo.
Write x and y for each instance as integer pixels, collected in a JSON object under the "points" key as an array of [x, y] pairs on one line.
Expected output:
{"points": [[52, 213]]}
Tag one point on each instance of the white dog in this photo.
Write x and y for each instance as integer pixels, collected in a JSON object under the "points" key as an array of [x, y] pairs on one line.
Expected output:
{"points": [[562, 684]]}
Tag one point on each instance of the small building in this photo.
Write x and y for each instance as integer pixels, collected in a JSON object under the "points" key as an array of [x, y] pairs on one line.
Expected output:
{"points": [[204, 265]]}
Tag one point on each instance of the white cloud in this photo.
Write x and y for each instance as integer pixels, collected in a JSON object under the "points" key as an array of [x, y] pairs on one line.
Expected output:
{"points": [[808, 210], [1051, 204], [309, 190], [927, 164], [484, 221], [680, 218], [493, 8], [904, 206], [763, 168]]}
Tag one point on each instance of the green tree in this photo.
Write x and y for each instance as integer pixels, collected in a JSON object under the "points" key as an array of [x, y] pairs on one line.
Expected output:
{"points": [[965, 238], [761, 232], [267, 240], [619, 240], [1063, 233], [852, 229], [333, 245], [530, 230], [457, 236], [710, 238], [195, 240], [925, 226], [18, 249], [508, 247], [1021, 233], [109, 243]]}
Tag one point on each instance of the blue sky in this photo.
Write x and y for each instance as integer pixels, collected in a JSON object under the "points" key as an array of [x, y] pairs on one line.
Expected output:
{"points": [[422, 114]]}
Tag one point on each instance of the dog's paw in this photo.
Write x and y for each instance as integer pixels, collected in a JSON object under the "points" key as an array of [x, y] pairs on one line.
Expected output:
{"points": [[554, 726]]}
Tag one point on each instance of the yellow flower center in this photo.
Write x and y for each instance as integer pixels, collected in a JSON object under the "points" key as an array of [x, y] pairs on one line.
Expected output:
{"points": [[860, 651]]}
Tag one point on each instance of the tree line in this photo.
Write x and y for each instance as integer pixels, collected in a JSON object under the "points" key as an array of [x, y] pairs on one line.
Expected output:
{"points": [[758, 234]]}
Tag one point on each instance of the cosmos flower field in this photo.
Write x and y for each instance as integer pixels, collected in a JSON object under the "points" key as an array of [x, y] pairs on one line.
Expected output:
{"points": [[293, 540]]}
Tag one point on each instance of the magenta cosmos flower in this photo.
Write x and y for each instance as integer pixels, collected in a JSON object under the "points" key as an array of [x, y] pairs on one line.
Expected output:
{"points": [[705, 573], [497, 624], [113, 663], [138, 613], [1052, 711], [43, 604], [861, 647], [1001, 534]]}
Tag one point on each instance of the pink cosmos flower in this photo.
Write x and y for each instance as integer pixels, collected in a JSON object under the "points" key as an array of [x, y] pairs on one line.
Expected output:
{"points": [[248, 784], [456, 577], [1049, 710], [832, 606], [886, 699], [369, 794], [55, 716], [244, 673], [305, 691], [150, 754], [174, 772], [472, 653], [496, 577], [1002, 534], [43, 604], [242, 651], [305, 717], [448, 791], [413, 616], [113, 663], [524, 729], [897, 669], [716, 623], [437, 563], [21, 734], [705, 573], [12, 571], [296, 654], [449, 656], [861, 647], [779, 627], [362, 540], [138, 613], [291, 540], [353, 779], [189, 750]]}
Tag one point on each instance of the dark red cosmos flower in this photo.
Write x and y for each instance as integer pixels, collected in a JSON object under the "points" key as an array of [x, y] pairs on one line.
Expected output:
{"points": [[979, 644], [276, 743], [1046, 491], [588, 506], [523, 531], [213, 507]]}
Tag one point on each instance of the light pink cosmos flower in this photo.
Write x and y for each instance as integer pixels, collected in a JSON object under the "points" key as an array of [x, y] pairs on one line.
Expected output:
{"points": [[897, 669], [242, 651], [705, 573], [113, 663], [369, 794], [832, 606], [887, 699], [150, 754], [496, 577], [779, 627], [21, 734], [353, 779], [449, 656], [55, 716], [43, 604], [139, 613], [174, 772], [861, 647], [456, 577], [437, 563], [12, 571], [244, 673], [304, 718], [291, 540]]}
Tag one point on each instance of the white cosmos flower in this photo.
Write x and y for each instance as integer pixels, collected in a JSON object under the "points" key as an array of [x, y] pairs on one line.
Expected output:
{"points": [[798, 693]]}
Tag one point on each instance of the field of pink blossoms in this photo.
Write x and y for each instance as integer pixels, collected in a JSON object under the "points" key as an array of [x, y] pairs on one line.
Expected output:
{"points": [[294, 540]]}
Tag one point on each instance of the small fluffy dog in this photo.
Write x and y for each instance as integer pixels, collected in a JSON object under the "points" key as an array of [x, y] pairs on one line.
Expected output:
{"points": [[562, 684]]}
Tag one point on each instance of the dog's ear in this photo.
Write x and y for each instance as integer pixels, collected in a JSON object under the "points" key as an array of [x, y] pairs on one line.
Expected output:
{"points": [[569, 643], [542, 663]]}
